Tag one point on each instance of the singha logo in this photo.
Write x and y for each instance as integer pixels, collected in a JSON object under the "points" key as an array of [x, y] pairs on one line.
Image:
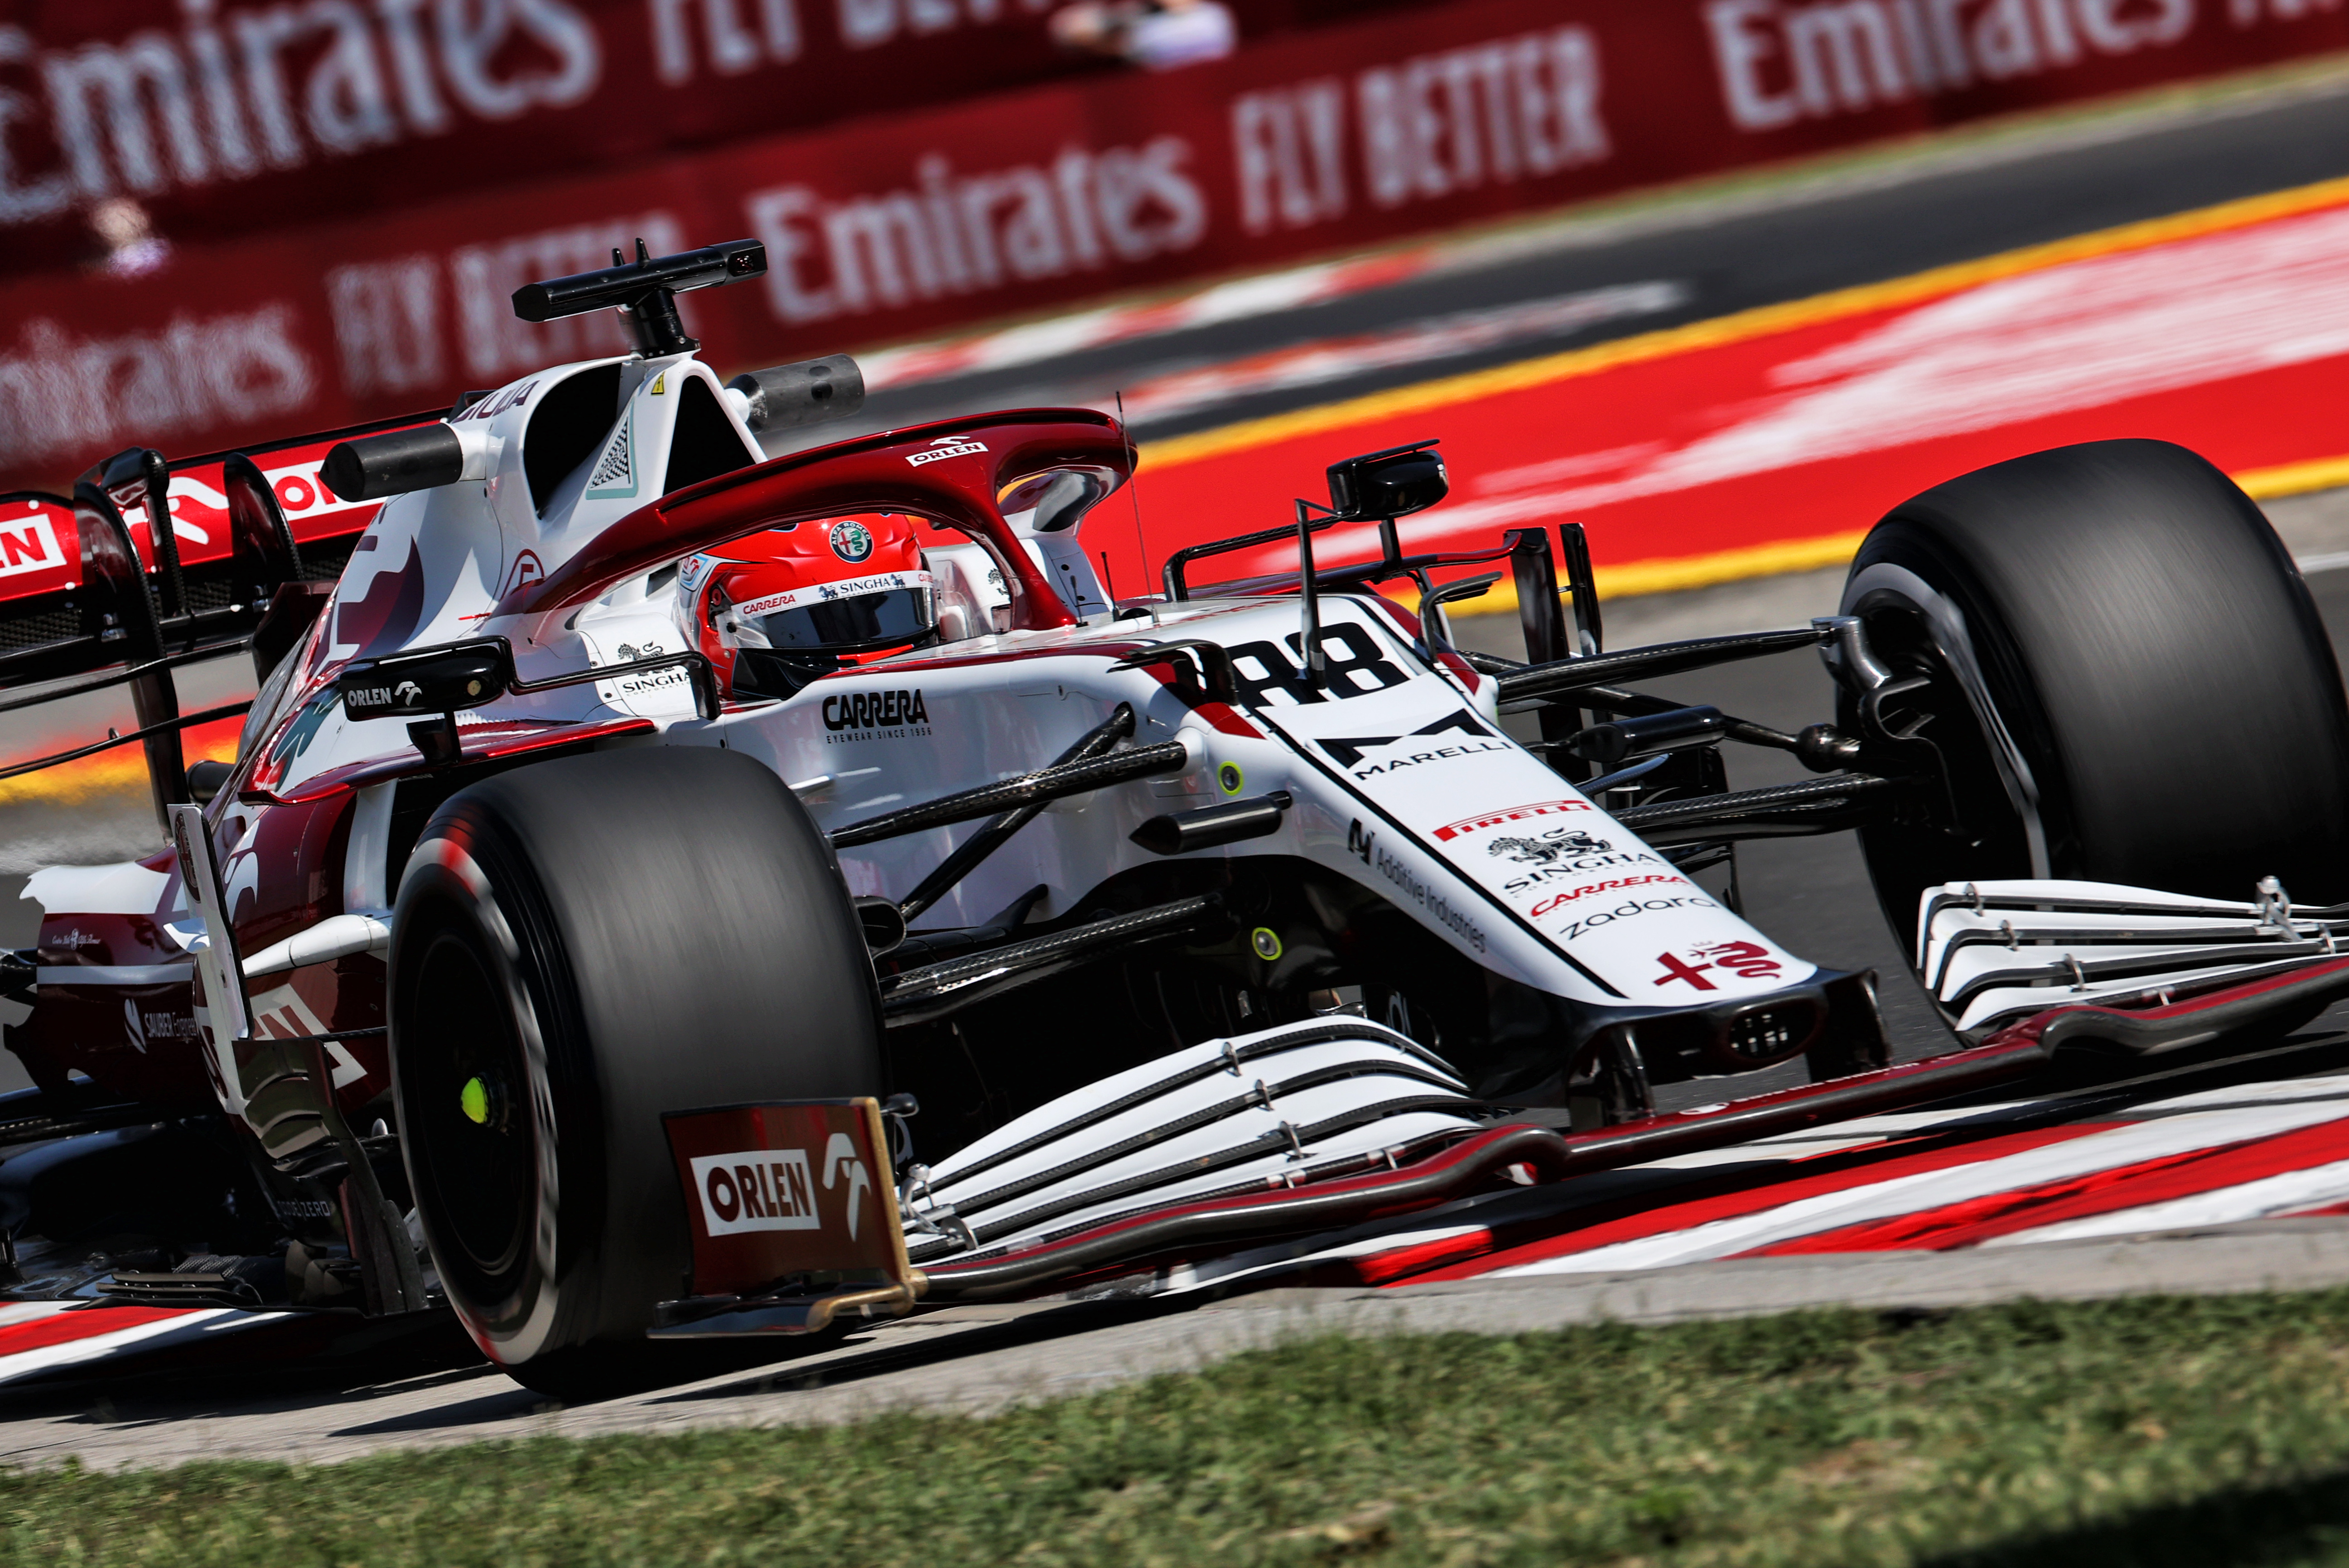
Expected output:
{"points": [[1549, 850]]}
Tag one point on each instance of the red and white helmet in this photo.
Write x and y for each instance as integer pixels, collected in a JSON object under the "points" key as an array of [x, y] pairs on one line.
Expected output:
{"points": [[773, 610]]}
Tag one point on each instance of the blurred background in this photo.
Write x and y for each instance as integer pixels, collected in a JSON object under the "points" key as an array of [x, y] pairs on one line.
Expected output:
{"points": [[1722, 280]]}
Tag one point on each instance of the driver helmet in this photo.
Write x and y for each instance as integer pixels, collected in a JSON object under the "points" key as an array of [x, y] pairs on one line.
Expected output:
{"points": [[775, 609]]}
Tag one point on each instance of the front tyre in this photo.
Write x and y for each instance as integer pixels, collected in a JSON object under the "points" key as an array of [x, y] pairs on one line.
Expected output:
{"points": [[580, 946], [2126, 681]]}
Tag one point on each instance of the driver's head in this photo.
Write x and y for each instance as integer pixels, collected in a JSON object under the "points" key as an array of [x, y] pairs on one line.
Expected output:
{"points": [[775, 609]]}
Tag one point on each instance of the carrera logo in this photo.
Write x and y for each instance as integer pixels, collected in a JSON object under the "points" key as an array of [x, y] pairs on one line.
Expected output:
{"points": [[878, 711], [1502, 818], [946, 447], [1612, 885], [756, 1189], [1579, 866]]}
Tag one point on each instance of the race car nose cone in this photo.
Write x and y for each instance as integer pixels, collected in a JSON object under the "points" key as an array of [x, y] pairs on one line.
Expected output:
{"points": [[473, 1099]]}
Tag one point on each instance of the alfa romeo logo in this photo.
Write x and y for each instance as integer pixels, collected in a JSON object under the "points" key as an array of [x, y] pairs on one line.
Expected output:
{"points": [[850, 540]]}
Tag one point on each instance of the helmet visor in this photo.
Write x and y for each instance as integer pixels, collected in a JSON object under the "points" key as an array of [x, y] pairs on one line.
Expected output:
{"points": [[842, 617]]}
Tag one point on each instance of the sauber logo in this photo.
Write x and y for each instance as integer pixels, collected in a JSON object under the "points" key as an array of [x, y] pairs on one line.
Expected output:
{"points": [[757, 1190], [946, 447]]}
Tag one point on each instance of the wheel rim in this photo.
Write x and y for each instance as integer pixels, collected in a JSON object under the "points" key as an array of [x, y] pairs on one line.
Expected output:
{"points": [[468, 1107]]}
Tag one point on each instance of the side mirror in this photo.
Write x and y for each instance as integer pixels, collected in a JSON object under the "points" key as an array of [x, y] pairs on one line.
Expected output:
{"points": [[1059, 500], [428, 681], [1391, 483]]}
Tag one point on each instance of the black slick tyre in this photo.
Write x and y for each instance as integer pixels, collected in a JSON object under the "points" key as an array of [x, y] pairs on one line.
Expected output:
{"points": [[580, 946], [2127, 682]]}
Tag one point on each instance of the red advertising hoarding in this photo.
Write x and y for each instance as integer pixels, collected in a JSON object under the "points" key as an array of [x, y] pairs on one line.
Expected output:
{"points": [[894, 225]]}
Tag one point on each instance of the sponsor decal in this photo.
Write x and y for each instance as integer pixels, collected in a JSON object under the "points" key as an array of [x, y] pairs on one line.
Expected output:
{"points": [[1451, 830], [399, 696], [1579, 866], [526, 571], [1355, 658], [1748, 960], [904, 711], [489, 407], [631, 652], [1614, 884], [74, 937], [144, 1026], [1550, 849], [943, 448], [826, 593], [850, 540], [841, 1160], [1350, 750], [28, 544], [757, 1190], [1631, 910], [1364, 845]]}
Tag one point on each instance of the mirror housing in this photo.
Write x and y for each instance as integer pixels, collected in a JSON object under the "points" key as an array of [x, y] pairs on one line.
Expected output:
{"points": [[426, 681], [1391, 483]]}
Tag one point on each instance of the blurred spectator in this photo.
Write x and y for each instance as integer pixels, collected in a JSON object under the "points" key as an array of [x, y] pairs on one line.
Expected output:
{"points": [[127, 244], [1156, 35]]}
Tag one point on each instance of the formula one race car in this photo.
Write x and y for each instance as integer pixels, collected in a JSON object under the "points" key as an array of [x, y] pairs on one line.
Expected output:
{"points": [[644, 831]]}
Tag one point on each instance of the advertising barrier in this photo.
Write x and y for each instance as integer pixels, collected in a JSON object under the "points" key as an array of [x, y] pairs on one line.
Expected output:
{"points": [[904, 224], [223, 118]]}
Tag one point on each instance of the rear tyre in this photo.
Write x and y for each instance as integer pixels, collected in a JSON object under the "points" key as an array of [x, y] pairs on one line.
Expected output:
{"points": [[580, 946], [2127, 682]]}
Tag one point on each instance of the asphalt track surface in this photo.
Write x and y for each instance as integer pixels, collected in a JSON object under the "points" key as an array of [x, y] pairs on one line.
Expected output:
{"points": [[1740, 249]]}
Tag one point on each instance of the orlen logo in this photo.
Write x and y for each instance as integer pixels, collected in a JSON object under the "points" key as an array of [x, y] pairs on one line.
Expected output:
{"points": [[946, 447], [28, 544], [757, 1190], [398, 696]]}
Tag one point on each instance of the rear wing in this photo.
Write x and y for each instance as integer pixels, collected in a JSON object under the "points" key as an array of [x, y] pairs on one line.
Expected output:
{"points": [[92, 595], [243, 523]]}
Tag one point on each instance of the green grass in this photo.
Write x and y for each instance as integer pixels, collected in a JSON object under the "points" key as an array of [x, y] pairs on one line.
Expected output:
{"points": [[2143, 1431]]}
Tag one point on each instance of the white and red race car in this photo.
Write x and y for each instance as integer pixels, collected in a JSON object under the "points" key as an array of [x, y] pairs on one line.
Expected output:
{"points": [[575, 937]]}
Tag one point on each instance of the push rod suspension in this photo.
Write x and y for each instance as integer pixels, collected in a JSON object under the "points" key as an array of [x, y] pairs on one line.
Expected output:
{"points": [[1818, 806], [1565, 677], [1057, 783], [919, 995], [968, 854]]}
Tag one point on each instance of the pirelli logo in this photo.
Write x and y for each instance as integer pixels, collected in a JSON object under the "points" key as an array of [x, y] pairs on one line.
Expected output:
{"points": [[1504, 818]]}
